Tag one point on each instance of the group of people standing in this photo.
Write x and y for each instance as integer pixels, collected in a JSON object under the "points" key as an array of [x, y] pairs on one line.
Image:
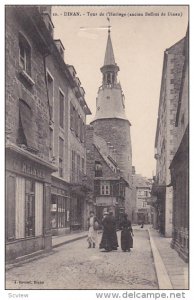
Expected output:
{"points": [[109, 239]]}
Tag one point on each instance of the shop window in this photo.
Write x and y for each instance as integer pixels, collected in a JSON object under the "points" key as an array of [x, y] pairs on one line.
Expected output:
{"points": [[61, 147], [29, 208], [53, 211], [105, 188], [61, 211], [98, 169], [24, 54], [26, 135], [61, 109]]}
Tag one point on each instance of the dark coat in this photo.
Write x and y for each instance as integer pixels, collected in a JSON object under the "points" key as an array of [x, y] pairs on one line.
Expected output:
{"points": [[109, 237], [126, 235]]}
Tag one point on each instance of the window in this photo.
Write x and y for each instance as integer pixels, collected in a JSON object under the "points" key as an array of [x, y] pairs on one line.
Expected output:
{"points": [[81, 130], [78, 167], [122, 189], [50, 142], [84, 132], [24, 54], [105, 188], [98, 169], [26, 132], [61, 109], [72, 116], [76, 122], [83, 166], [50, 87], [146, 193], [61, 146], [144, 204], [79, 126], [73, 165]]}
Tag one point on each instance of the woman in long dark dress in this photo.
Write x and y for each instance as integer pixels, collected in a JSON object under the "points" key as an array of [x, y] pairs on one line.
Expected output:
{"points": [[109, 237], [126, 234]]}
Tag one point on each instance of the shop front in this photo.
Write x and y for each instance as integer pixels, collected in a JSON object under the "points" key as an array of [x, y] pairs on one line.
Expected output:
{"points": [[28, 185], [60, 207], [79, 207]]}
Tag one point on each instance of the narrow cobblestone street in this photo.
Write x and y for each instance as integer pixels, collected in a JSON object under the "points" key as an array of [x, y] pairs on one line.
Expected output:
{"points": [[73, 266]]}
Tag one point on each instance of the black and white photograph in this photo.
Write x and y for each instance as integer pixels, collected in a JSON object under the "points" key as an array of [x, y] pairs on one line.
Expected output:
{"points": [[97, 149]]}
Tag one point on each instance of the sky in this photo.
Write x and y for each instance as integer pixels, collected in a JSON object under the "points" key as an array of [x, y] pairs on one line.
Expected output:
{"points": [[139, 43]]}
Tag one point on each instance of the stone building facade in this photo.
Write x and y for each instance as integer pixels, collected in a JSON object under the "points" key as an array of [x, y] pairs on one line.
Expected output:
{"points": [[110, 121], [68, 111], [28, 169], [166, 135], [46, 182], [102, 168], [142, 212], [179, 167]]}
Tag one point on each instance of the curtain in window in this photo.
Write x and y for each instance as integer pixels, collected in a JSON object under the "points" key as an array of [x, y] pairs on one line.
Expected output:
{"points": [[20, 208], [38, 209]]}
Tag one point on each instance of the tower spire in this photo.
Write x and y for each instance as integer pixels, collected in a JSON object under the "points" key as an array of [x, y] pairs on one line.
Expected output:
{"points": [[110, 68], [109, 58]]}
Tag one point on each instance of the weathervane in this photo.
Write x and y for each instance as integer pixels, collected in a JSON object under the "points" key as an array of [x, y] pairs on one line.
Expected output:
{"points": [[108, 25]]}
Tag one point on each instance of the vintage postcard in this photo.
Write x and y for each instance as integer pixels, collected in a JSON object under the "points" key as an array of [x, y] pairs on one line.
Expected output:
{"points": [[97, 149]]}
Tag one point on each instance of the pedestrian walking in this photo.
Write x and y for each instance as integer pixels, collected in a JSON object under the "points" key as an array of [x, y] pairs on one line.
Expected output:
{"points": [[93, 226], [109, 236], [126, 234]]}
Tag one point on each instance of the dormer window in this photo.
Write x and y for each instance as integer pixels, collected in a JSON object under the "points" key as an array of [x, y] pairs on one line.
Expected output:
{"points": [[98, 169], [24, 54]]}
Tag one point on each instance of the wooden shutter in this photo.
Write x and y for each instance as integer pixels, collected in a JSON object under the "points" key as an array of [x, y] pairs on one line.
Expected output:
{"points": [[38, 208], [20, 208], [10, 208]]}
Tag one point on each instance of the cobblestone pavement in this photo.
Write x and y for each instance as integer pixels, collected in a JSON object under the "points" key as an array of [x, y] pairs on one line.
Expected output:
{"points": [[73, 266]]}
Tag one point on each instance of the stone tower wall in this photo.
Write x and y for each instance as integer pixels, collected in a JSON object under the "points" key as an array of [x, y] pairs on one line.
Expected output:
{"points": [[117, 132]]}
